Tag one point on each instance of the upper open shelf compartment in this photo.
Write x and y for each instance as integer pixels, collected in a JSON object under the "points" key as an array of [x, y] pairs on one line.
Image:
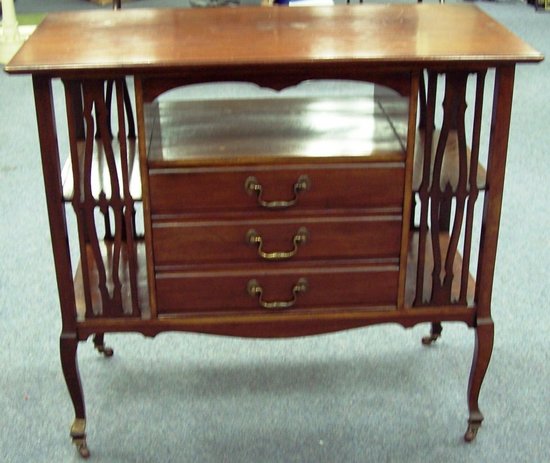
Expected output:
{"points": [[254, 130]]}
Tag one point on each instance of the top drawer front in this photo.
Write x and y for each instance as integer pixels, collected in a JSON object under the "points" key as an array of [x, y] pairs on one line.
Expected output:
{"points": [[360, 185]]}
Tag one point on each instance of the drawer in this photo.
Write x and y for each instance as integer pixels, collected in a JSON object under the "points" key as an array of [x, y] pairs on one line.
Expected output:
{"points": [[354, 185], [290, 288], [296, 239]]}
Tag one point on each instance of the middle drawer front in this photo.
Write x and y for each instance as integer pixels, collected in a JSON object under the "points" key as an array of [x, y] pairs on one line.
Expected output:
{"points": [[340, 186], [255, 240]]}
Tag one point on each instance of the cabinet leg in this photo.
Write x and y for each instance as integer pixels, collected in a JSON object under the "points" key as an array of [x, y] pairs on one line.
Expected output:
{"points": [[434, 335], [482, 356], [68, 347], [99, 344]]}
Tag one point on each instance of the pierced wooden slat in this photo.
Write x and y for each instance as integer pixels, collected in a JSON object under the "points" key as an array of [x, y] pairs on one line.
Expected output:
{"points": [[77, 132], [473, 186], [87, 202], [436, 199], [113, 301], [424, 193], [128, 203], [459, 82]]}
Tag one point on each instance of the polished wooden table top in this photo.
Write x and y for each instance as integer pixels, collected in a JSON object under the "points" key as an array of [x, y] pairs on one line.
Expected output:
{"points": [[138, 40]]}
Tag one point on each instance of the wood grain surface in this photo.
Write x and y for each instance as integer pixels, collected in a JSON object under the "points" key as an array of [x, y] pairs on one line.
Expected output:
{"points": [[151, 40]]}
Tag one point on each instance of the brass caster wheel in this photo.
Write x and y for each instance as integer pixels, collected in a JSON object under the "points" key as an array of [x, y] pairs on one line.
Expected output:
{"points": [[106, 351], [82, 448], [100, 346], [428, 340], [78, 435], [471, 432], [435, 334]]}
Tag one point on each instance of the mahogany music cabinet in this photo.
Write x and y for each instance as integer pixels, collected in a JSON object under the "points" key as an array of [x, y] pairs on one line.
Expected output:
{"points": [[274, 217]]}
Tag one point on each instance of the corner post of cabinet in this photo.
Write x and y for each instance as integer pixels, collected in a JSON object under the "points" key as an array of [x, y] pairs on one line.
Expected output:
{"points": [[496, 164], [498, 146], [144, 173], [51, 169]]}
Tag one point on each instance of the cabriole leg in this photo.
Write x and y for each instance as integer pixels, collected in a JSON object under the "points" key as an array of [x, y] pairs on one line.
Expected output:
{"points": [[69, 363], [482, 356]]}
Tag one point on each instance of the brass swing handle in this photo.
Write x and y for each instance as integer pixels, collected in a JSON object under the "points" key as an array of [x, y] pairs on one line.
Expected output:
{"points": [[253, 186], [255, 290], [254, 238]]}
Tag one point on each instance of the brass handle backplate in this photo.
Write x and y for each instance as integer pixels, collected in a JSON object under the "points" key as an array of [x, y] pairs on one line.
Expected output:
{"points": [[253, 186], [254, 238], [255, 290]]}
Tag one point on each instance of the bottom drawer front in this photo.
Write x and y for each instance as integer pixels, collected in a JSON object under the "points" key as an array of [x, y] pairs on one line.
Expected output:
{"points": [[280, 290]]}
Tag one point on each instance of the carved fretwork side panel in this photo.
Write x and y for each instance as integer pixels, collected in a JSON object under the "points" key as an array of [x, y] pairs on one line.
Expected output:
{"points": [[451, 180], [102, 200]]}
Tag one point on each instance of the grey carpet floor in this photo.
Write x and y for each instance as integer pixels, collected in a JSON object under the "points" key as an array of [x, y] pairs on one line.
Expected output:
{"points": [[366, 395]]}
